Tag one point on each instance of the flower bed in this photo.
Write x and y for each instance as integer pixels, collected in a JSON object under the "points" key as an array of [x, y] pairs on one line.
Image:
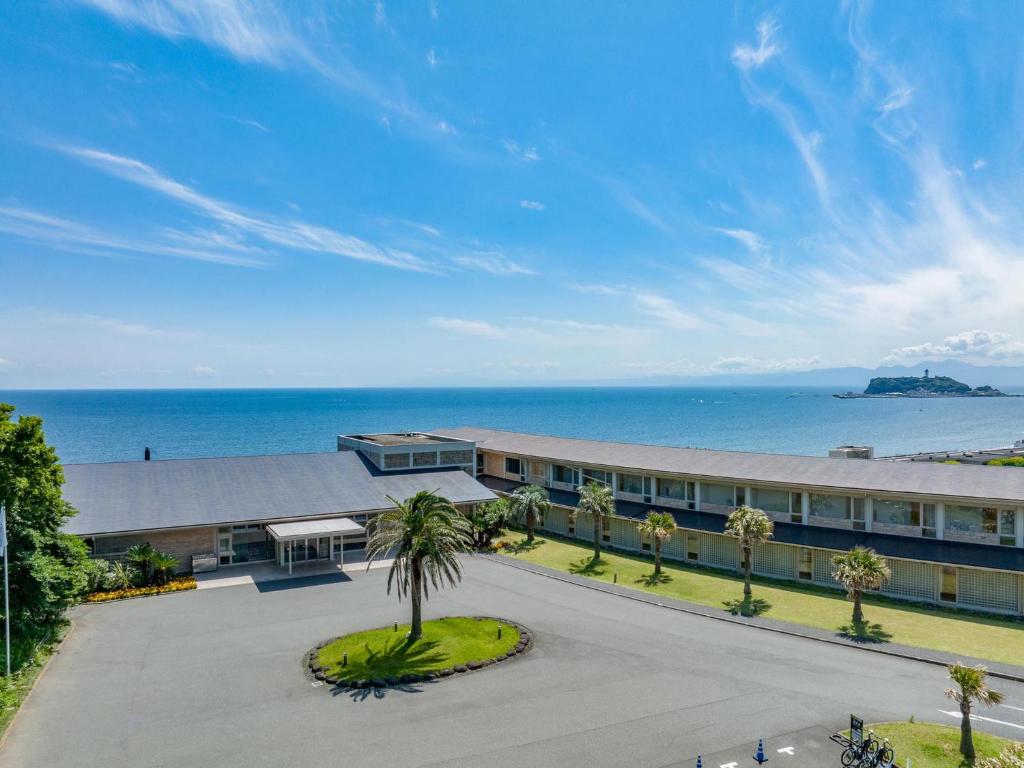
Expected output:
{"points": [[176, 585]]}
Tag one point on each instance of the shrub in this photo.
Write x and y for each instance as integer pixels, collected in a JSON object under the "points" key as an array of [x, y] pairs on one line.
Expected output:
{"points": [[1009, 461], [96, 573], [121, 576]]}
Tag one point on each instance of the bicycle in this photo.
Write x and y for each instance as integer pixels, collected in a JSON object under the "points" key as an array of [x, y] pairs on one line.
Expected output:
{"points": [[857, 754]]}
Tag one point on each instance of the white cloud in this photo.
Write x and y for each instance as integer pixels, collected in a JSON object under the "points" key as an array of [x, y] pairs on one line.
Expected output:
{"points": [[749, 57], [203, 370], [443, 126], [531, 205], [748, 364], [898, 98], [666, 311], [380, 14], [525, 153], [5, 364], [752, 241], [432, 59], [493, 263], [467, 327], [989, 345], [979, 163], [294, 234], [433, 10], [252, 124], [595, 289]]}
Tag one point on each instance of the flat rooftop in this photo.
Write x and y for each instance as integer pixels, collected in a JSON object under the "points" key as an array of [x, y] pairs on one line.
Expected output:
{"points": [[404, 438]]}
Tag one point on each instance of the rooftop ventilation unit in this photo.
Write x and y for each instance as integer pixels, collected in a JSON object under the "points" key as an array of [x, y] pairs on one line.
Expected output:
{"points": [[852, 452]]}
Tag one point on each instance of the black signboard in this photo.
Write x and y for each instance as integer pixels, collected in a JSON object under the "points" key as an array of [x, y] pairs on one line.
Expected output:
{"points": [[856, 730]]}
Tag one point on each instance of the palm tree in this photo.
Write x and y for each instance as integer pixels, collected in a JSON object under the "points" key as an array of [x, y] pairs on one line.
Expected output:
{"points": [[751, 526], [425, 534], [659, 526], [141, 556], [858, 570], [489, 519], [531, 501], [164, 564], [597, 501], [971, 687]]}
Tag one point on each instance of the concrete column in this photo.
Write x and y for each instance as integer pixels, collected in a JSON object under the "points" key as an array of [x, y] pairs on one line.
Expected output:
{"points": [[869, 513], [696, 493], [1020, 527], [748, 498], [940, 520], [615, 485], [805, 508]]}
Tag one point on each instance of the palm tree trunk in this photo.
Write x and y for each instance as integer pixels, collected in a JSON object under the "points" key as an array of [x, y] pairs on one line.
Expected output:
{"points": [[597, 537], [416, 626], [966, 737], [657, 557], [746, 571], [858, 611], [531, 520]]}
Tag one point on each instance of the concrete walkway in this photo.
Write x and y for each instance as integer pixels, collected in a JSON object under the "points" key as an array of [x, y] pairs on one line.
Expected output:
{"points": [[258, 573]]}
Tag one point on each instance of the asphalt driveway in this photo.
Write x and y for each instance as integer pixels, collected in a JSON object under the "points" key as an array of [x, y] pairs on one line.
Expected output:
{"points": [[214, 678]]}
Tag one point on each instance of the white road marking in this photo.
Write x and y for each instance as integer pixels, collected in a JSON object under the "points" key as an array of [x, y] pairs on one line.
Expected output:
{"points": [[785, 751], [730, 765], [954, 713], [1010, 706]]}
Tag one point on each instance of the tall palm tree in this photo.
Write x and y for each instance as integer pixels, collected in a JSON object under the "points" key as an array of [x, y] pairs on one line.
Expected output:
{"points": [[751, 526], [971, 687], [858, 570], [530, 501], [141, 556], [425, 534], [596, 500], [659, 526]]}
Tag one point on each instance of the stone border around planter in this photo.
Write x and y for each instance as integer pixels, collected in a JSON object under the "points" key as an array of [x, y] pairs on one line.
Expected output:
{"points": [[315, 672]]}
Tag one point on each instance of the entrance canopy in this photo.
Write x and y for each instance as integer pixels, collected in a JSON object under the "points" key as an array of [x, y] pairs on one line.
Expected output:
{"points": [[311, 529]]}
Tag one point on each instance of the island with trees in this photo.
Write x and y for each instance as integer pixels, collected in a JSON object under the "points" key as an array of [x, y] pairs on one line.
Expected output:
{"points": [[921, 386]]}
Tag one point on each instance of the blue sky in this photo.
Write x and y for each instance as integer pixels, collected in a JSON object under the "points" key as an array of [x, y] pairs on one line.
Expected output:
{"points": [[376, 193]]}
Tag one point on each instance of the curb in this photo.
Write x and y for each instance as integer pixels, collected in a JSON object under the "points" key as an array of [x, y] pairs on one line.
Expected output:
{"points": [[682, 607]]}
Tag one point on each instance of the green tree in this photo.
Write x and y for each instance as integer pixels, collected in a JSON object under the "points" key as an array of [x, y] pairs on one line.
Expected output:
{"points": [[971, 686], [49, 569], [489, 519], [425, 535], [751, 526], [530, 501], [164, 565], [141, 556], [660, 527], [597, 501], [858, 570]]}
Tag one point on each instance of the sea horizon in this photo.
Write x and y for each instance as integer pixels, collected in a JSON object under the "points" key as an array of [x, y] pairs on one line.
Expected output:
{"points": [[95, 425]]}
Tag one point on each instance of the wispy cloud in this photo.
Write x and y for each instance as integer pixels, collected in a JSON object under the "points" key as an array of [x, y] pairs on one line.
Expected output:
{"points": [[251, 124], [747, 56], [531, 205], [68, 235], [432, 60], [527, 154], [666, 311], [752, 241], [492, 263], [465, 327], [294, 234]]}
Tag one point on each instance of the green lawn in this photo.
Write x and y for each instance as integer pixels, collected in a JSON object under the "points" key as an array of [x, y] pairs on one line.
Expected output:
{"points": [[935, 746], [378, 654], [950, 631]]}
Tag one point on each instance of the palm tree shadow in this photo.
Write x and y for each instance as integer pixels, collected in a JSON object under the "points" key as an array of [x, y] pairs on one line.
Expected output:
{"points": [[650, 580], [588, 566], [523, 546], [747, 606], [864, 632]]}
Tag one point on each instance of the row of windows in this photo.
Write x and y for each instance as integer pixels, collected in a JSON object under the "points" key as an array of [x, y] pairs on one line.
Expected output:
{"points": [[982, 524]]}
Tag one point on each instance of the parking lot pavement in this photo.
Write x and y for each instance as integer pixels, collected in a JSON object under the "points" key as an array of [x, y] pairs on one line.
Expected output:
{"points": [[214, 677]]}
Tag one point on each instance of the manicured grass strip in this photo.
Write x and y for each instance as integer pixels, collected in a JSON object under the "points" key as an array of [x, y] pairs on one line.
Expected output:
{"points": [[934, 746], [379, 654], [887, 621]]}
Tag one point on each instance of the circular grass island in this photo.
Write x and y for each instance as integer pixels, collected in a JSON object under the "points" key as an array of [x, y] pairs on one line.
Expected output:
{"points": [[378, 658]]}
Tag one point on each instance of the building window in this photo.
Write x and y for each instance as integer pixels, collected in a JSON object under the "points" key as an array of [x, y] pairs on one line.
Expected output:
{"points": [[633, 484], [481, 467], [796, 507], [678, 490], [770, 500], [831, 507], [396, 460], [722, 495], [513, 466], [972, 520], [928, 521], [567, 475], [456, 457], [1007, 527], [597, 476], [741, 496], [896, 512], [857, 513], [424, 459]]}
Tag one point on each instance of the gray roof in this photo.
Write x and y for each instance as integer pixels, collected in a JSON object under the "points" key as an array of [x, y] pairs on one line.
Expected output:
{"points": [[968, 482], [176, 493]]}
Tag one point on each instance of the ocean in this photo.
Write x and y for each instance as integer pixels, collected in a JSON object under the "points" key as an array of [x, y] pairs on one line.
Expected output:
{"points": [[116, 425]]}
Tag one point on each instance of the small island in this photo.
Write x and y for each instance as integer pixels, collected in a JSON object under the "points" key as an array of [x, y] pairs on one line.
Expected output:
{"points": [[921, 386]]}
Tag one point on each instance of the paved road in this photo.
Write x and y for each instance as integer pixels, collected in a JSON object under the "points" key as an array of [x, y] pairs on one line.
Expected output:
{"points": [[213, 678]]}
